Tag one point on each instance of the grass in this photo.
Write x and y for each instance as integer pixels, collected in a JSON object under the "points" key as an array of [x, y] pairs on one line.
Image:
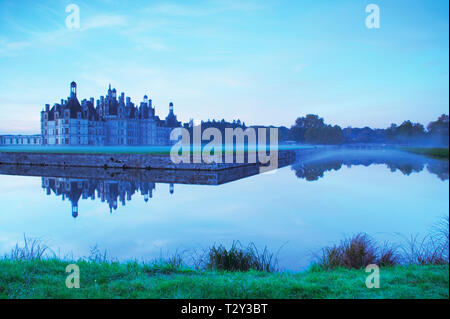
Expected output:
{"points": [[361, 250], [33, 271], [33, 249], [358, 252], [46, 279], [238, 258], [440, 153]]}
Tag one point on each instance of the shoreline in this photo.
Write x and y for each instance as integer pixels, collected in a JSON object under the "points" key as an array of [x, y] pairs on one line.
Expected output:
{"points": [[46, 279], [124, 160], [432, 152]]}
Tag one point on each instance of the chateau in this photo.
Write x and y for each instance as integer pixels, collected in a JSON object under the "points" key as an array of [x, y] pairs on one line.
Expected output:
{"points": [[112, 121]]}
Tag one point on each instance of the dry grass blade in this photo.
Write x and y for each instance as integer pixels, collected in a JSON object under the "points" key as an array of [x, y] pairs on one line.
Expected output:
{"points": [[33, 249]]}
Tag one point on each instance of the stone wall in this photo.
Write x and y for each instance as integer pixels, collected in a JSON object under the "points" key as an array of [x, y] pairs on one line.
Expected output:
{"points": [[147, 161]]}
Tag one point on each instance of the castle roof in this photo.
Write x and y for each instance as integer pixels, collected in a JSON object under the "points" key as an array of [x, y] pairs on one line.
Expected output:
{"points": [[171, 120], [74, 106]]}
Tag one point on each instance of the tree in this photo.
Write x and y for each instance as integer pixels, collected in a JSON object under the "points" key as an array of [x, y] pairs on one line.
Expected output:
{"points": [[324, 135], [302, 124], [406, 133], [438, 130]]}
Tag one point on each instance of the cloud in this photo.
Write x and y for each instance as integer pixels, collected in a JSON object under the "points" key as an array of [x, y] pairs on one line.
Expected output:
{"points": [[146, 44], [103, 21], [59, 36], [209, 8], [8, 48]]}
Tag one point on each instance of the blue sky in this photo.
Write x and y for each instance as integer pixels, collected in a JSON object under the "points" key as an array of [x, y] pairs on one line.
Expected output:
{"points": [[265, 62]]}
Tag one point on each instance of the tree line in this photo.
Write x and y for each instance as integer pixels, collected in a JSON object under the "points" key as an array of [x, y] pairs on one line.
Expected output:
{"points": [[311, 129]]}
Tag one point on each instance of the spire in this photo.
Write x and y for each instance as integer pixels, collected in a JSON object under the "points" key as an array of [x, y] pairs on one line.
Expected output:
{"points": [[73, 90], [74, 209]]}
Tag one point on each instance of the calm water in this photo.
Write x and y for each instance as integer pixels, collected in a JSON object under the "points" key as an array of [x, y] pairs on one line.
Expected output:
{"points": [[299, 208]]}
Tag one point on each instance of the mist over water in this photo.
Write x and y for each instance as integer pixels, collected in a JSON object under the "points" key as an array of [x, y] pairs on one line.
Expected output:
{"points": [[301, 207]]}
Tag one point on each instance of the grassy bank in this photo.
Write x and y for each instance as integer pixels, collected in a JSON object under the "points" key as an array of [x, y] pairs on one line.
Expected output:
{"points": [[419, 269], [440, 153], [46, 279]]}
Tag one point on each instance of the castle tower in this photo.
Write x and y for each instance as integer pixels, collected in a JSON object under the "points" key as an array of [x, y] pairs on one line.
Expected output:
{"points": [[74, 209], [73, 90]]}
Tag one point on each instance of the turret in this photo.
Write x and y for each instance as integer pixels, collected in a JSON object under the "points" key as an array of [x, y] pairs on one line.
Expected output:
{"points": [[74, 209], [73, 90]]}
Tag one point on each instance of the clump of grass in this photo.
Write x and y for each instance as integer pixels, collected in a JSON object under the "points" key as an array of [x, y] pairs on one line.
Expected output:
{"points": [[440, 232], [388, 255], [432, 249], [425, 251], [237, 258], [96, 255], [354, 252], [175, 261], [361, 250], [33, 249]]}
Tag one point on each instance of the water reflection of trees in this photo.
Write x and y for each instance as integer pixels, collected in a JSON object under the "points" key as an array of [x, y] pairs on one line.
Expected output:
{"points": [[312, 170]]}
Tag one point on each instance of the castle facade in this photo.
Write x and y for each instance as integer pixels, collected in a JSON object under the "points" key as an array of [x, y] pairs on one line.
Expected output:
{"points": [[112, 121]]}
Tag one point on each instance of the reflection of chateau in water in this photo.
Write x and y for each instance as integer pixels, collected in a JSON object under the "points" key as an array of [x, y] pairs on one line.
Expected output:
{"points": [[114, 185], [314, 168], [110, 191], [119, 185]]}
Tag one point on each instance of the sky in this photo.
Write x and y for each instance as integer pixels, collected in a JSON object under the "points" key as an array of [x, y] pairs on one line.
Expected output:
{"points": [[264, 62]]}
